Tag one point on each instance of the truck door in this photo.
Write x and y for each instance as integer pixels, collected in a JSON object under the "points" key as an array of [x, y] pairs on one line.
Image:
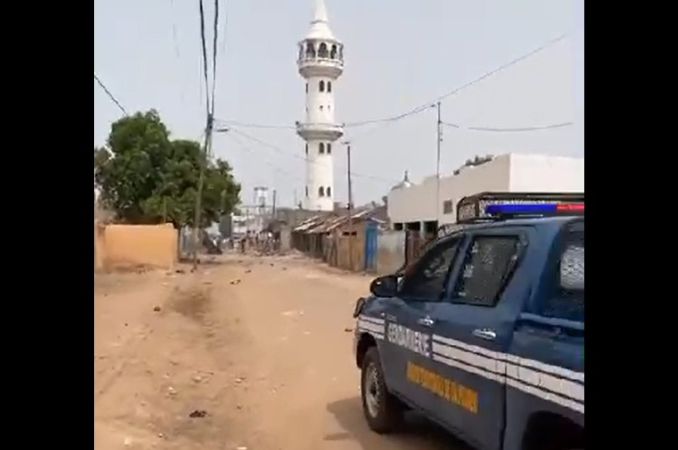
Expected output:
{"points": [[472, 331], [407, 346], [547, 366]]}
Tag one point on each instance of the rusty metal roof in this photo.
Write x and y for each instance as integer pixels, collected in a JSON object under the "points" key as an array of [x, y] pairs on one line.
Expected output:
{"points": [[309, 223]]}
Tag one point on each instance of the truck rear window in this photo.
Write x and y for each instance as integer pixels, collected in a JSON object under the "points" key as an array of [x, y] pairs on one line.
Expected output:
{"points": [[568, 302]]}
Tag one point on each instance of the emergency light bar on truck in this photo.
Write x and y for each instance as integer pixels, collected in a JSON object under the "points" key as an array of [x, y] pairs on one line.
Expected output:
{"points": [[504, 205]]}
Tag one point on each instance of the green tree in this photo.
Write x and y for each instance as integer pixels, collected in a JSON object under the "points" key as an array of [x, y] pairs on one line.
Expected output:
{"points": [[146, 177]]}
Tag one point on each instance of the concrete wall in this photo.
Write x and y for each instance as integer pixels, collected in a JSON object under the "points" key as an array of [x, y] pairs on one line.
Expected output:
{"points": [[135, 245], [505, 173], [537, 173], [390, 252]]}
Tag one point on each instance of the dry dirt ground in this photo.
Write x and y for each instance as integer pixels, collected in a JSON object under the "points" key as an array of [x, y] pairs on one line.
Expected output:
{"points": [[247, 353]]}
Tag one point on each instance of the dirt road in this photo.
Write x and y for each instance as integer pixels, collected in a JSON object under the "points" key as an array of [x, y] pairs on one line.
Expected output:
{"points": [[256, 350]]}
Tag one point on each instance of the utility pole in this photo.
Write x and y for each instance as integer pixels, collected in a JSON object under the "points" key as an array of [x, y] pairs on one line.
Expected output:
{"points": [[349, 208], [274, 198], [201, 181], [439, 141]]}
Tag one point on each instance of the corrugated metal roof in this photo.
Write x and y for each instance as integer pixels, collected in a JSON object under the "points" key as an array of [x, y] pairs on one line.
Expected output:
{"points": [[326, 224], [309, 223]]}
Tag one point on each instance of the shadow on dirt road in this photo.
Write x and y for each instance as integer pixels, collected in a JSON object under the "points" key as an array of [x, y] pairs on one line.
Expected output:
{"points": [[417, 434]]}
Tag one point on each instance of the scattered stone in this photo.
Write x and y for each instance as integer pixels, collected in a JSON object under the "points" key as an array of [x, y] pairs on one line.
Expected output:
{"points": [[197, 378], [241, 447], [238, 406], [348, 330], [236, 281], [126, 324], [127, 442], [272, 264], [160, 435], [248, 271], [156, 308], [171, 391], [198, 414], [239, 380], [180, 271]]}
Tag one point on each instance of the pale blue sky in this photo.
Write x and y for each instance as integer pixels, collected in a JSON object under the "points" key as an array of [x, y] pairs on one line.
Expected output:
{"points": [[399, 54]]}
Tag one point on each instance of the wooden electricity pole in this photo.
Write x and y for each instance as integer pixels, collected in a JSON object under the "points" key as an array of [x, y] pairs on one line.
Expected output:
{"points": [[274, 201], [349, 208], [439, 141], [201, 181]]}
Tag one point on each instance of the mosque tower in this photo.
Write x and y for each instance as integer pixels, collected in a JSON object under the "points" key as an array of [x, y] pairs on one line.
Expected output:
{"points": [[321, 63]]}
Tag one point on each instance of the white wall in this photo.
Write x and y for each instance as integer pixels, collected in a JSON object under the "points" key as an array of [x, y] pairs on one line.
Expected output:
{"points": [[505, 173], [493, 176], [538, 173], [418, 202]]}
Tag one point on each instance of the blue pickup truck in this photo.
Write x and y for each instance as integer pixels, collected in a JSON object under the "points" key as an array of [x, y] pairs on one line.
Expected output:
{"points": [[484, 332]]}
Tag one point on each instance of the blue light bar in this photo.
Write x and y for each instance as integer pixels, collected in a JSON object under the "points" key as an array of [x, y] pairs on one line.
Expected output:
{"points": [[534, 209], [521, 208]]}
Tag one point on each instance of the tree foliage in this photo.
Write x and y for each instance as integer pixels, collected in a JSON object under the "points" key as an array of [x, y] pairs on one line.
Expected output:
{"points": [[146, 177]]}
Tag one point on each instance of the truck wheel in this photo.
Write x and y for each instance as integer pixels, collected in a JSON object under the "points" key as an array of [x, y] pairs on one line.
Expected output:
{"points": [[382, 410]]}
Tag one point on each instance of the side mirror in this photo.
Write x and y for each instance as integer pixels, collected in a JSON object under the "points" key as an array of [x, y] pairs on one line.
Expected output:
{"points": [[359, 307], [386, 286]]}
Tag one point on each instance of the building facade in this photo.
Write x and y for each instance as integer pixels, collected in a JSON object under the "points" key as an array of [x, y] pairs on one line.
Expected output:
{"points": [[320, 63], [429, 203]]}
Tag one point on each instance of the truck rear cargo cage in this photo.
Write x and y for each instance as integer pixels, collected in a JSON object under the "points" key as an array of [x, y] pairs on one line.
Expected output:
{"points": [[490, 206]]}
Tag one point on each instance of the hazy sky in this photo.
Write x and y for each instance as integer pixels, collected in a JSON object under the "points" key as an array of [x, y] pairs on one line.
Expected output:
{"points": [[399, 54]]}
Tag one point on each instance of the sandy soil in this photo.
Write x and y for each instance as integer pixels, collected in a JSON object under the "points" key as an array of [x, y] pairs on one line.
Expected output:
{"points": [[247, 353]]}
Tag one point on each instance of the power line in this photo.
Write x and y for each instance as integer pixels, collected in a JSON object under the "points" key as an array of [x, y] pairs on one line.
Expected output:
{"points": [[236, 123], [110, 95], [249, 150], [510, 130], [295, 155], [203, 42], [423, 107], [476, 80], [214, 53], [209, 125]]}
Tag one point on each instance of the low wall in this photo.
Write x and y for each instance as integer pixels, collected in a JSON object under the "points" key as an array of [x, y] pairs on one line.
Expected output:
{"points": [[390, 251], [118, 246]]}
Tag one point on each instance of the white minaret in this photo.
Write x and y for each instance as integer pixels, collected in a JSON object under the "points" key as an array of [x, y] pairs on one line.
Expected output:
{"points": [[321, 63]]}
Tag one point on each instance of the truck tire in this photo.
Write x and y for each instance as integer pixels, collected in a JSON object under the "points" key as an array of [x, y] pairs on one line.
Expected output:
{"points": [[383, 411]]}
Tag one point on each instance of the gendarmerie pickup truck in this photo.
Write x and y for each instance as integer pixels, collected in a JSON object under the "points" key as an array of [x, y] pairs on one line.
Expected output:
{"points": [[484, 332]]}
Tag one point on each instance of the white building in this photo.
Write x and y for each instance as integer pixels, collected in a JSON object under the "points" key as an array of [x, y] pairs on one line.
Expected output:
{"points": [[414, 205], [321, 63]]}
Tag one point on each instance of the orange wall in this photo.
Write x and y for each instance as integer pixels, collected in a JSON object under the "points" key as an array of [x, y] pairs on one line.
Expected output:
{"points": [[135, 245]]}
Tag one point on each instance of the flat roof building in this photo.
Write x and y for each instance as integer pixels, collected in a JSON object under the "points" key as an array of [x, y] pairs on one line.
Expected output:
{"points": [[426, 205]]}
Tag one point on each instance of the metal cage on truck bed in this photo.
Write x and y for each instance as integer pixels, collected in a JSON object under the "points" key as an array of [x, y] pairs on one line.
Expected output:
{"points": [[473, 209], [474, 206]]}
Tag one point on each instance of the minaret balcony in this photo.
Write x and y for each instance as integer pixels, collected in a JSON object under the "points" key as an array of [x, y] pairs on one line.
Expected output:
{"points": [[320, 67], [320, 131]]}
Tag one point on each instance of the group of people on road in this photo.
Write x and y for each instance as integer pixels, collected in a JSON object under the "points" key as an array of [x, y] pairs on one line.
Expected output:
{"points": [[264, 242]]}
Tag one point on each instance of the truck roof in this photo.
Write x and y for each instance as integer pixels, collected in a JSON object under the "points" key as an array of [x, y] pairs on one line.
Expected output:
{"points": [[555, 220]]}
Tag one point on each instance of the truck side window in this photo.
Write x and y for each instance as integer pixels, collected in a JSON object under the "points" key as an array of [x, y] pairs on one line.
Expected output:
{"points": [[568, 301], [487, 266], [426, 280]]}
